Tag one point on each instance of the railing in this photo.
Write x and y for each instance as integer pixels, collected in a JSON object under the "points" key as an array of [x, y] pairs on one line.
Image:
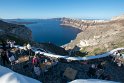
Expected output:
{"points": [[73, 58]]}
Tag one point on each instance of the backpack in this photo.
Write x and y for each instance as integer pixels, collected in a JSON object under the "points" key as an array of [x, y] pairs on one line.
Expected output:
{"points": [[12, 58]]}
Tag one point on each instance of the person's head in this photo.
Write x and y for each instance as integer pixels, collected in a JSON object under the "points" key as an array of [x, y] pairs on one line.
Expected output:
{"points": [[120, 54], [93, 65]]}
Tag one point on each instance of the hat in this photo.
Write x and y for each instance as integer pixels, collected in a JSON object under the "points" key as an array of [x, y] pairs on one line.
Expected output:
{"points": [[93, 65]]}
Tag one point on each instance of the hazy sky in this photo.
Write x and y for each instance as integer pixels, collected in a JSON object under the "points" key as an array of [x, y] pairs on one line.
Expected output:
{"points": [[61, 8]]}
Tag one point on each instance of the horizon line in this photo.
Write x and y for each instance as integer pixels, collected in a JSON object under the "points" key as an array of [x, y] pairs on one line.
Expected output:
{"points": [[60, 17]]}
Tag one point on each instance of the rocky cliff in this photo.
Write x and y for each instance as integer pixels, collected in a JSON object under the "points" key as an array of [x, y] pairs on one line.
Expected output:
{"points": [[80, 24], [19, 31], [97, 36], [22, 34], [121, 17]]}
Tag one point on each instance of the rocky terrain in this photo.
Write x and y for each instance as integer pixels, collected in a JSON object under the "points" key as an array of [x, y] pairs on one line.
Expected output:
{"points": [[97, 36], [18, 31], [121, 17]]}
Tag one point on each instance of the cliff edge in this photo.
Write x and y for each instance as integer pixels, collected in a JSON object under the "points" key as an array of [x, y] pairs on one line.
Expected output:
{"points": [[18, 31], [97, 36]]}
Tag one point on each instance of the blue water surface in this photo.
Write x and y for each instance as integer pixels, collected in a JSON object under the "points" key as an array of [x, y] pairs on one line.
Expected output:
{"points": [[51, 31]]}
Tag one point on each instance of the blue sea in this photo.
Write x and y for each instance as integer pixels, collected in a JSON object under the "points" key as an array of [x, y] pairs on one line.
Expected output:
{"points": [[50, 30]]}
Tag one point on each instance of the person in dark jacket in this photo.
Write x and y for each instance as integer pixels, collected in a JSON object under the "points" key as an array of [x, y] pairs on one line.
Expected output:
{"points": [[100, 66], [3, 45], [92, 71], [4, 58]]}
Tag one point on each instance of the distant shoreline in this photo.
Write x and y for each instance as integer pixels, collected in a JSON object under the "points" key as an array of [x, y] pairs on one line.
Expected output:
{"points": [[72, 26], [22, 23]]}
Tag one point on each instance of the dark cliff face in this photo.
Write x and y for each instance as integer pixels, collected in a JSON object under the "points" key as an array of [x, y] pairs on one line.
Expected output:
{"points": [[19, 31], [7, 26]]}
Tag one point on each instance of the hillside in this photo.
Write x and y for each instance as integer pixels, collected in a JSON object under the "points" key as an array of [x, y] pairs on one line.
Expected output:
{"points": [[97, 36], [121, 17], [15, 31]]}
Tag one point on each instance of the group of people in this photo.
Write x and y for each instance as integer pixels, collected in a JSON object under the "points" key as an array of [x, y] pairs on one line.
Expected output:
{"points": [[36, 65], [97, 71], [10, 43], [35, 59], [26, 50], [7, 57], [118, 58], [11, 58]]}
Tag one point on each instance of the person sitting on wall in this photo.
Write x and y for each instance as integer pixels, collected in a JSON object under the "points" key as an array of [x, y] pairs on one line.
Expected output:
{"points": [[12, 44], [119, 60], [29, 49], [117, 56]]}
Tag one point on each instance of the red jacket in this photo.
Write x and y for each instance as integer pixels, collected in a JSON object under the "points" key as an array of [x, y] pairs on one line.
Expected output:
{"points": [[35, 60]]}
